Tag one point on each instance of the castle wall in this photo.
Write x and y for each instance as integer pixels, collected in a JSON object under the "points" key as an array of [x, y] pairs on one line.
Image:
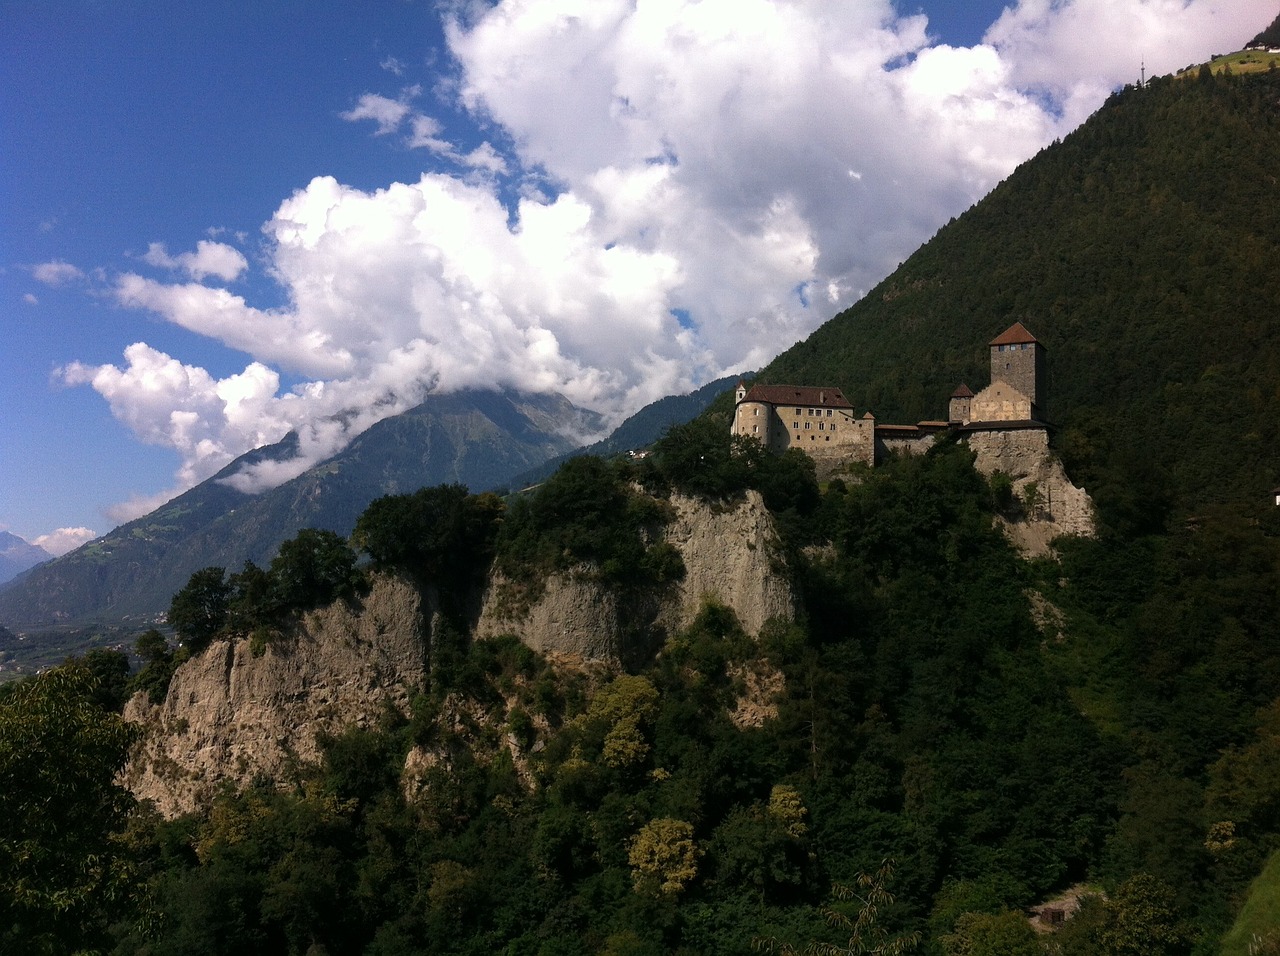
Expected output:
{"points": [[821, 433], [760, 421], [1000, 402]]}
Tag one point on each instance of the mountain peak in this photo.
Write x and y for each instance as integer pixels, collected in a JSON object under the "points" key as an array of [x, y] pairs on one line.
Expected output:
{"points": [[17, 555]]}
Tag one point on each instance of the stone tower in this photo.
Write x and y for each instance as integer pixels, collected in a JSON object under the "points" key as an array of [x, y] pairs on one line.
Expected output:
{"points": [[960, 408], [1017, 359]]}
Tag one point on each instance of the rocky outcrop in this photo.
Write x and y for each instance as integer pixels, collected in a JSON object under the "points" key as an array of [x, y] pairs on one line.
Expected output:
{"points": [[575, 614], [232, 716], [1024, 455], [728, 554]]}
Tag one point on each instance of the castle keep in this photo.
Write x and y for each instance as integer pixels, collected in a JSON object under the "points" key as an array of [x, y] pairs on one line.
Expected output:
{"points": [[822, 423]]}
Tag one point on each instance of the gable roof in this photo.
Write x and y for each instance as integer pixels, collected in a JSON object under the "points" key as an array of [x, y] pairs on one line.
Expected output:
{"points": [[962, 392], [824, 396], [1013, 335]]}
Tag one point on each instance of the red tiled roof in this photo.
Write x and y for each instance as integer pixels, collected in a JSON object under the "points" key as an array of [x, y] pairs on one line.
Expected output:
{"points": [[1013, 335], [797, 395], [962, 392]]}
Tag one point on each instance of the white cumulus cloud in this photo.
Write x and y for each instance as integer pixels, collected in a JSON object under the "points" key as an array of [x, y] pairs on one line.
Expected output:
{"points": [[210, 259], [56, 273], [703, 184], [387, 113], [62, 540]]}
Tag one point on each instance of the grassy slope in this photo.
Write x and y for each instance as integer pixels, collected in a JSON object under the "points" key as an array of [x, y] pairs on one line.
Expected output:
{"points": [[1260, 915]]}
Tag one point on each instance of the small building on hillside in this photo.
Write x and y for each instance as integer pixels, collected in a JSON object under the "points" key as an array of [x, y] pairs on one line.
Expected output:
{"points": [[823, 424]]}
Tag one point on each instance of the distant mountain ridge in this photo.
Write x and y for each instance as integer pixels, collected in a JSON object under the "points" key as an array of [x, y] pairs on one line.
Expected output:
{"points": [[476, 438], [17, 555], [640, 430]]}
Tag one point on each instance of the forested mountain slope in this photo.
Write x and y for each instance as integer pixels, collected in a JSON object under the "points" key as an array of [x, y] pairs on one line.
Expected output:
{"points": [[1144, 252]]}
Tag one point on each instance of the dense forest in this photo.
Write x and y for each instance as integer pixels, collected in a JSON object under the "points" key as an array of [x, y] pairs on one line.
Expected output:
{"points": [[960, 733], [938, 739]]}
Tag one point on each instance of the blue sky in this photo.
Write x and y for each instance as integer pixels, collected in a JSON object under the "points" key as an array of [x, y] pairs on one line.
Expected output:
{"points": [[223, 221]]}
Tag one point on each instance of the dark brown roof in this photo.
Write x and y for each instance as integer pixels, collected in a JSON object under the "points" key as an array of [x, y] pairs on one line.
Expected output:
{"points": [[797, 395], [1026, 423], [897, 429], [1013, 335], [962, 392]]}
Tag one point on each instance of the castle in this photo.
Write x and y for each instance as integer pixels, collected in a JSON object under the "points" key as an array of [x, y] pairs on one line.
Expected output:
{"points": [[821, 422]]}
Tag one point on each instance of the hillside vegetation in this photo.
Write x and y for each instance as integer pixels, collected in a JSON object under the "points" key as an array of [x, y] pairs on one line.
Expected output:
{"points": [[946, 734], [1144, 252]]}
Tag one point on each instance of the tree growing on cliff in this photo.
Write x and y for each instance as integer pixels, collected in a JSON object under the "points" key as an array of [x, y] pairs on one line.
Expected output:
{"points": [[64, 873], [199, 611]]}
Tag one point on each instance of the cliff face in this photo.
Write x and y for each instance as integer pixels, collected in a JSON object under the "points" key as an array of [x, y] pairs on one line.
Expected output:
{"points": [[231, 716], [1024, 456], [726, 554]]}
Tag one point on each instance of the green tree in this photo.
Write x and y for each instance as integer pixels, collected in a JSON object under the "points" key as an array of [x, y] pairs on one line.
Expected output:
{"points": [[157, 665], [702, 458], [440, 534], [312, 569], [1143, 921], [992, 934], [110, 671], [64, 873], [151, 646], [869, 897], [664, 858], [199, 611], [253, 601]]}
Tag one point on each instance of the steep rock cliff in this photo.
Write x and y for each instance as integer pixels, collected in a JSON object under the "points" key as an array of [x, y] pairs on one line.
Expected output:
{"points": [[728, 556], [1024, 455], [233, 716]]}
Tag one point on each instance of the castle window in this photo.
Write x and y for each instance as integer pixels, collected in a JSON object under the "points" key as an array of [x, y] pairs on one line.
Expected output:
{"points": [[757, 413], [806, 425], [755, 428], [828, 413], [797, 411], [833, 426], [795, 424]]}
